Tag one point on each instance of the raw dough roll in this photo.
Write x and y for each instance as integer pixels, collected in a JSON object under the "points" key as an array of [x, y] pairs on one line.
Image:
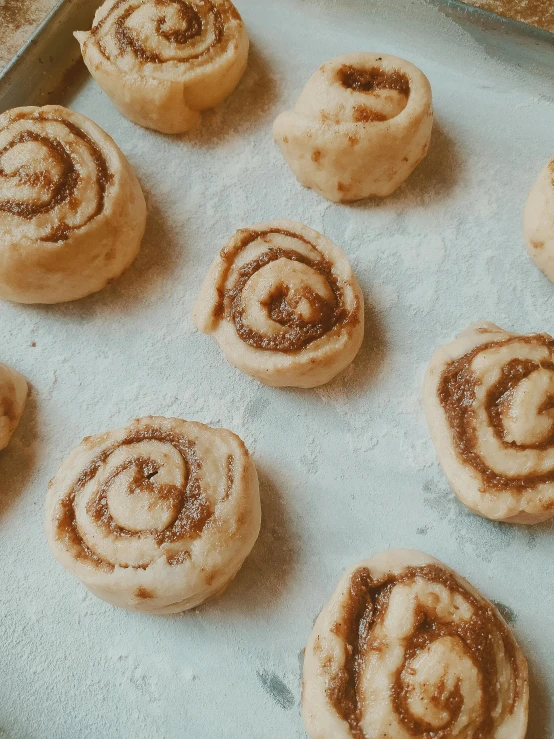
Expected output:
{"points": [[13, 394], [157, 516], [72, 214], [283, 304], [488, 399], [163, 61], [407, 648], [359, 128], [538, 224]]}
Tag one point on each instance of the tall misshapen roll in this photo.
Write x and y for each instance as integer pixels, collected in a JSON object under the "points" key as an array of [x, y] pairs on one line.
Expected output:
{"points": [[359, 128]]}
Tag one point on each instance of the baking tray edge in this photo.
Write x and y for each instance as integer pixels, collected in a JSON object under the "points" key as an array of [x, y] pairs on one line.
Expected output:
{"points": [[34, 75]]}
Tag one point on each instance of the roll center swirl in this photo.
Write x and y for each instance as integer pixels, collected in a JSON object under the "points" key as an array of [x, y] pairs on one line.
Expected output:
{"points": [[143, 492], [39, 190], [379, 94], [373, 80], [499, 402], [144, 488], [521, 404], [191, 21], [160, 31], [284, 300]]}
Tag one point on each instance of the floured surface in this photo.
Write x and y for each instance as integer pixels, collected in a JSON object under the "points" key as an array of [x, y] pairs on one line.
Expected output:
{"points": [[346, 470]]}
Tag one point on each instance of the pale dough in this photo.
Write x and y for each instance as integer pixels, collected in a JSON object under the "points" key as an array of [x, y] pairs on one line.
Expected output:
{"points": [[538, 224], [163, 61], [359, 128], [406, 647], [157, 516], [488, 400], [72, 213], [283, 304], [13, 394]]}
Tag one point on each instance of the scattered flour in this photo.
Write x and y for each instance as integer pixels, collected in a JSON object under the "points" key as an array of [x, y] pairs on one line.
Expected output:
{"points": [[346, 470]]}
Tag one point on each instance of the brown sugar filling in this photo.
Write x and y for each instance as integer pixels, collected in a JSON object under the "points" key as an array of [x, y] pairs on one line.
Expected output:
{"points": [[368, 602], [230, 479], [363, 114], [282, 307], [192, 28], [61, 190], [192, 509], [456, 393], [372, 80], [143, 593]]}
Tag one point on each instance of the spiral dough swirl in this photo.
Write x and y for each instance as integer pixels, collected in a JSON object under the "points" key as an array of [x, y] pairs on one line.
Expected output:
{"points": [[53, 182], [164, 61], [283, 304], [72, 213], [407, 648], [157, 516], [490, 410]]}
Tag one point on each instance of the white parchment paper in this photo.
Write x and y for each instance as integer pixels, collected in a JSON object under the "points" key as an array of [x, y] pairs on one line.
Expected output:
{"points": [[346, 470]]}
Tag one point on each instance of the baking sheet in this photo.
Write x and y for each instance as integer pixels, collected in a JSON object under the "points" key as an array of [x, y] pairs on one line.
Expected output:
{"points": [[539, 13], [346, 470]]}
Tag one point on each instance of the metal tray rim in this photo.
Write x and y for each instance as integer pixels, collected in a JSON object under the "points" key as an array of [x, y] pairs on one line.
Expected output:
{"points": [[501, 22], [32, 40], [459, 7]]}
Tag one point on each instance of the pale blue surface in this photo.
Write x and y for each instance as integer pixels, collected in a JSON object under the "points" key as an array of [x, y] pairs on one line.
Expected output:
{"points": [[346, 471]]}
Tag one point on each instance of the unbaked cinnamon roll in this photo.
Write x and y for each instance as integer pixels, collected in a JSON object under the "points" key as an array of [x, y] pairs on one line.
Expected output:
{"points": [[359, 128], [72, 214], [283, 304], [163, 61], [538, 224], [489, 404], [157, 516], [407, 648], [13, 394]]}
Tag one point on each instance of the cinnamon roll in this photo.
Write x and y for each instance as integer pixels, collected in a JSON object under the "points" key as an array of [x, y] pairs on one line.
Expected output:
{"points": [[13, 394], [163, 61], [538, 224], [407, 648], [488, 399], [359, 128], [283, 304], [157, 516], [72, 214]]}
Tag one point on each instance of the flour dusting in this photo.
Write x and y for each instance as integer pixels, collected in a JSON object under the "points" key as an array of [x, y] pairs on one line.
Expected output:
{"points": [[346, 470]]}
